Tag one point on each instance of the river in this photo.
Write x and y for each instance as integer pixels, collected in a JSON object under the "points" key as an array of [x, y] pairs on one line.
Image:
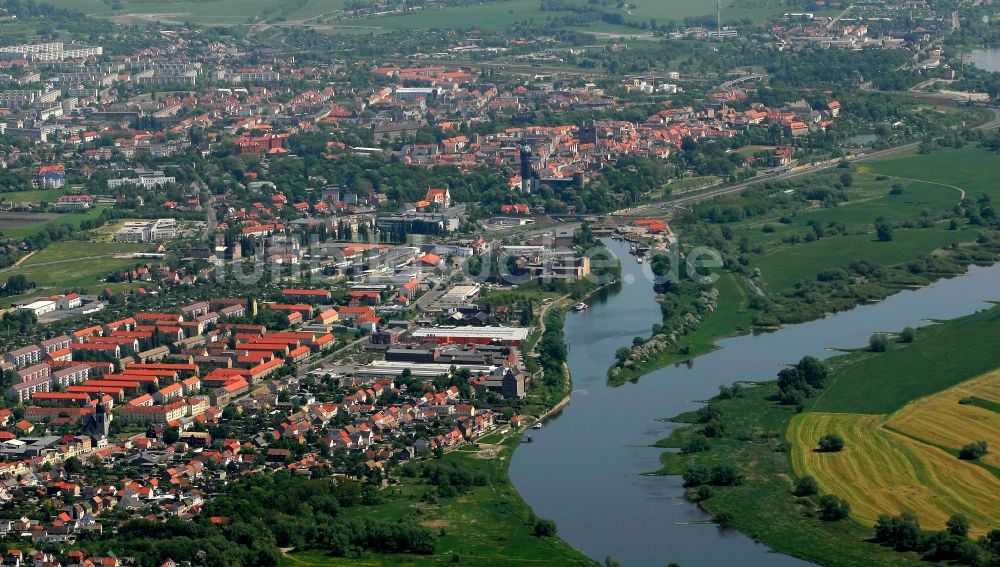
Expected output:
{"points": [[583, 469], [987, 59]]}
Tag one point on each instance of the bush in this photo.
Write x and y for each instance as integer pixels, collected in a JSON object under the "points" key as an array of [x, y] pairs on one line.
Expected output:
{"points": [[908, 335], [544, 528], [704, 492], [723, 518], [833, 508], [831, 444], [806, 486], [719, 475], [878, 343], [725, 475], [901, 533], [973, 451], [695, 445], [883, 230]]}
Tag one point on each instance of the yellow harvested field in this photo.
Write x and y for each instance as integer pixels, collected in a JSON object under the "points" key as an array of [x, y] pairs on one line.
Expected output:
{"points": [[882, 472], [940, 420]]}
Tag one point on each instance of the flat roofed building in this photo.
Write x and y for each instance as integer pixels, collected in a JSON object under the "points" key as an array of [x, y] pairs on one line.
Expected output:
{"points": [[510, 336]]}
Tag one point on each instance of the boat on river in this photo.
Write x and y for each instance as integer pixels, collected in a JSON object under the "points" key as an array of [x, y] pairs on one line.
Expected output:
{"points": [[580, 306]]}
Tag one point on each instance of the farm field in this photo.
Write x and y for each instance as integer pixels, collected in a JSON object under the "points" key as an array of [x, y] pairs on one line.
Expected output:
{"points": [[942, 421], [942, 356], [882, 472]]}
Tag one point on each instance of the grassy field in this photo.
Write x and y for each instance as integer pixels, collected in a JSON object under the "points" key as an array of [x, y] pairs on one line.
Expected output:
{"points": [[941, 357], [488, 525], [882, 472], [942, 421], [72, 265], [503, 14], [932, 183], [22, 230], [210, 12], [780, 270], [35, 196], [972, 169]]}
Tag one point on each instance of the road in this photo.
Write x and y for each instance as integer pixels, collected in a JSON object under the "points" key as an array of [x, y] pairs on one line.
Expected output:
{"points": [[839, 17]]}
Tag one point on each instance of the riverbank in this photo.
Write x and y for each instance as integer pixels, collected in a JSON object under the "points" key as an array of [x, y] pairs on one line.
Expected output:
{"points": [[793, 262], [751, 432], [604, 437], [732, 316]]}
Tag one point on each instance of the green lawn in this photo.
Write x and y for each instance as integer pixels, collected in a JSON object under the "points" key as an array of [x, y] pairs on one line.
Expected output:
{"points": [[34, 196], [943, 356], [489, 525], [781, 269]]}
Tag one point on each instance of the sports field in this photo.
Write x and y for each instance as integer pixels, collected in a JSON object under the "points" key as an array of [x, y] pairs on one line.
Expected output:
{"points": [[882, 472]]}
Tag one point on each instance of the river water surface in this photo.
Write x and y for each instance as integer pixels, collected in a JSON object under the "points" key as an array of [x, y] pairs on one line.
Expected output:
{"points": [[583, 469]]}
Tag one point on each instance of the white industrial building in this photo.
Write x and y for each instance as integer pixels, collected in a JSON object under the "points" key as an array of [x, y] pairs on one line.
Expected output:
{"points": [[147, 231], [40, 307]]}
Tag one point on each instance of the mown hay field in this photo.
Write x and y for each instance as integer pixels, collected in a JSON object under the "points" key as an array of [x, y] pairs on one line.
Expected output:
{"points": [[941, 420], [882, 472]]}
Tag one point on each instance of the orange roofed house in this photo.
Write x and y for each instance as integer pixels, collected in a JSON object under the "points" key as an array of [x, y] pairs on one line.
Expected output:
{"points": [[440, 196]]}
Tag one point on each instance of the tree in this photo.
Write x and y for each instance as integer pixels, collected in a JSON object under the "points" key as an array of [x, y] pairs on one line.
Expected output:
{"points": [[833, 508], [831, 444], [544, 528], [72, 465], [958, 525], [16, 285], [901, 532], [883, 230], [813, 371], [908, 335], [806, 486], [878, 343], [973, 451], [170, 435]]}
